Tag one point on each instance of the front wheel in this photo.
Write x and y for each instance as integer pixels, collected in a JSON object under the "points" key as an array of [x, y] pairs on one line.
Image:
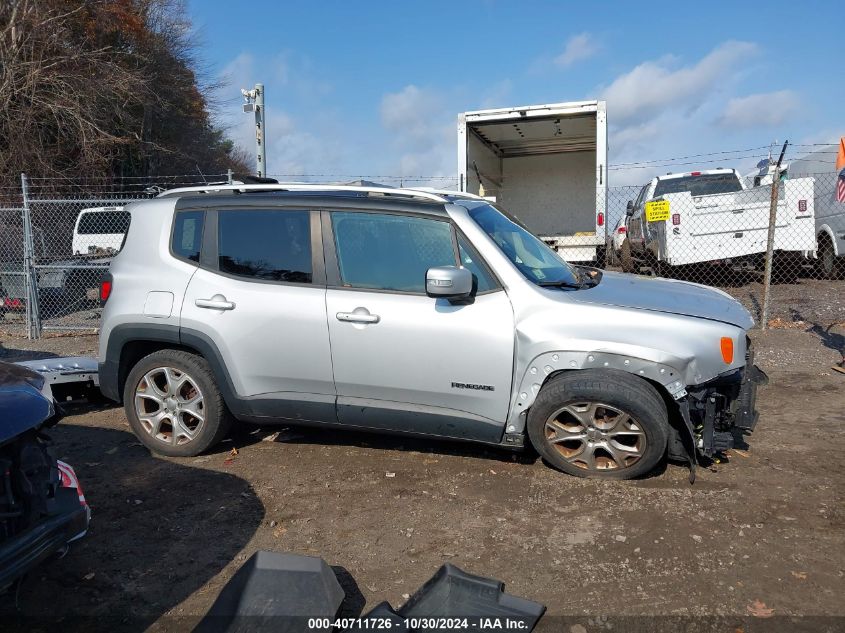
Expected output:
{"points": [[602, 424], [626, 258], [173, 404]]}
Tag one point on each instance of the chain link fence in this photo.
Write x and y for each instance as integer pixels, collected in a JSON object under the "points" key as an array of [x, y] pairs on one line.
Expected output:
{"points": [[57, 239], [713, 228], [748, 236]]}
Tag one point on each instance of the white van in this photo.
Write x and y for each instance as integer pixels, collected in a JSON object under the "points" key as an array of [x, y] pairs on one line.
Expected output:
{"points": [[99, 230], [830, 209]]}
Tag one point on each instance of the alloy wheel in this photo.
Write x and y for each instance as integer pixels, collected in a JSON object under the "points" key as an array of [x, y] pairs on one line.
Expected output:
{"points": [[595, 436], [169, 405]]}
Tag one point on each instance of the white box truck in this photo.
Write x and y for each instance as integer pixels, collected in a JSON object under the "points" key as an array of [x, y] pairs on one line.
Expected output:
{"points": [[545, 164]]}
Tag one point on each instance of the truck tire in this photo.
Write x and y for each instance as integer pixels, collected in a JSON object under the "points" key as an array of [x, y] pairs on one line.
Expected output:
{"points": [[827, 264], [599, 423], [173, 404], [662, 269], [626, 258], [601, 257]]}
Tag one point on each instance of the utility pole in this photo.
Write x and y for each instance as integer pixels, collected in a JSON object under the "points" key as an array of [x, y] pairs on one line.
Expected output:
{"points": [[255, 103], [770, 241]]}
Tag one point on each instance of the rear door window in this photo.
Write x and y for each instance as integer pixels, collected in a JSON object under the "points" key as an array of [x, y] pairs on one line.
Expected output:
{"points": [[268, 245]]}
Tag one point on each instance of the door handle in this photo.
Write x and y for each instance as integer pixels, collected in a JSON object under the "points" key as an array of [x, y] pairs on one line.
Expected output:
{"points": [[360, 315], [217, 302]]}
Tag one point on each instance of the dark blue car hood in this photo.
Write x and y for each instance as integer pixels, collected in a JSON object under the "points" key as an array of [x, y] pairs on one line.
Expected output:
{"points": [[22, 405]]}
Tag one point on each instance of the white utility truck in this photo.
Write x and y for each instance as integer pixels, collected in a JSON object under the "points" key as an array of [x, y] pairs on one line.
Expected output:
{"points": [[545, 164], [829, 207], [710, 216]]}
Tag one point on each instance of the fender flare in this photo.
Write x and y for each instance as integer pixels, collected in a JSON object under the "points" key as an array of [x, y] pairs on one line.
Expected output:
{"points": [[112, 374], [538, 370]]}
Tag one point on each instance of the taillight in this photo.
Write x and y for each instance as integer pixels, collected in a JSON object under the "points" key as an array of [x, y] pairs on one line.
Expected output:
{"points": [[695, 173], [676, 219], [600, 219], [105, 288], [622, 230]]}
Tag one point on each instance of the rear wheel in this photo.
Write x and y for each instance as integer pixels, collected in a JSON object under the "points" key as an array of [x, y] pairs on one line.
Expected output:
{"points": [[601, 258], [604, 424], [827, 264], [627, 258], [173, 404]]}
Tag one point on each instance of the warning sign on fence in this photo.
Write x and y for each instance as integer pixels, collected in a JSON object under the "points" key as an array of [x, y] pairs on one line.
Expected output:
{"points": [[657, 211]]}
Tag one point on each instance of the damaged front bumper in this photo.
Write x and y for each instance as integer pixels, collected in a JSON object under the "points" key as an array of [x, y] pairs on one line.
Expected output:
{"points": [[721, 412]]}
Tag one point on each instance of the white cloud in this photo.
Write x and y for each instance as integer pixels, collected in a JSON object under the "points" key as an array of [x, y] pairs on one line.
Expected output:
{"points": [[409, 113], [760, 110], [422, 131], [496, 94], [655, 86], [578, 48]]}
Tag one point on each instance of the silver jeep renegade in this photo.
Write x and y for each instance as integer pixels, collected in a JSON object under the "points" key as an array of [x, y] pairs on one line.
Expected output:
{"points": [[411, 311]]}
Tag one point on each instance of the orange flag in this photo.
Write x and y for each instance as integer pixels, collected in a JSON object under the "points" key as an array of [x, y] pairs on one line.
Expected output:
{"points": [[840, 157]]}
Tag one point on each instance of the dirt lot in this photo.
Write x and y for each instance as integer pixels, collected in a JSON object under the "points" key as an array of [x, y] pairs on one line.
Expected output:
{"points": [[765, 530]]}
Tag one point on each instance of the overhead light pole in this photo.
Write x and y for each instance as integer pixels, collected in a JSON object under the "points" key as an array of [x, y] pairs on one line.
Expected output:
{"points": [[255, 103]]}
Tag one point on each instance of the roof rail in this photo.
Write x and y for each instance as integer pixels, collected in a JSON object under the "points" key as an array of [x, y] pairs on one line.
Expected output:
{"points": [[449, 192], [385, 191]]}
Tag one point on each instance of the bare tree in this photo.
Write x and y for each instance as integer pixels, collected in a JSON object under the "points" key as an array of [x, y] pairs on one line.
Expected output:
{"points": [[103, 88]]}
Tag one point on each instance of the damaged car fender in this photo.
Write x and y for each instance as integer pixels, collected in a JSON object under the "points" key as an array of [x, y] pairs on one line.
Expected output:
{"points": [[636, 341]]}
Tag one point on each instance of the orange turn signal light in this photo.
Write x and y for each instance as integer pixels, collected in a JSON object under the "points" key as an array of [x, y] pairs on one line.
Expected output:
{"points": [[727, 345]]}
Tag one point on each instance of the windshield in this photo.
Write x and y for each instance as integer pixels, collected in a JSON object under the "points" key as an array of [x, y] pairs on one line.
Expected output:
{"points": [[535, 260], [702, 185]]}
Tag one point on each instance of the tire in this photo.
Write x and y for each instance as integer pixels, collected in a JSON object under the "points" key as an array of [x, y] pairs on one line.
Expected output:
{"points": [[181, 385], [615, 447], [785, 268], [601, 257], [626, 258], [827, 265], [662, 269]]}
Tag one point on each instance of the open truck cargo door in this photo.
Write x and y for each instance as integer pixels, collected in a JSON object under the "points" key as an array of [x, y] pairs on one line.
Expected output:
{"points": [[545, 164]]}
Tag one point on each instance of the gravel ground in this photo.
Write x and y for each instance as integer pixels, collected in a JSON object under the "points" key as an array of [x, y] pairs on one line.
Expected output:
{"points": [[761, 531]]}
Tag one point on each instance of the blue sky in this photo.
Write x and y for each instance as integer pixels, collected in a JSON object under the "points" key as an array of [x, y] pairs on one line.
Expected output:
{"points": [[374, 89]]}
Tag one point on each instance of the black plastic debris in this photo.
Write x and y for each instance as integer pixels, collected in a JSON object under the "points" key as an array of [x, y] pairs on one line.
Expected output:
{"points": [[275, 592], [454, 594], [288, 593]]}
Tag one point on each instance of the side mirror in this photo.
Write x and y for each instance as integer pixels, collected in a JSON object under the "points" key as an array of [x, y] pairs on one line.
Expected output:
{"points": [[629, 210], [448, 282]]}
